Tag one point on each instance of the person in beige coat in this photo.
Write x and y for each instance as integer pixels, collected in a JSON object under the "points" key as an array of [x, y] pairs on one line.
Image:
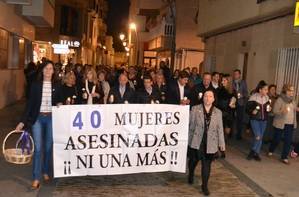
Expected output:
{"points": [[284, 123], [205, 137]]}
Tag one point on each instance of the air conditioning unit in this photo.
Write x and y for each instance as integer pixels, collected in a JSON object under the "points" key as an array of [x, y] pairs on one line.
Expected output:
{"points": [[19, 2]]}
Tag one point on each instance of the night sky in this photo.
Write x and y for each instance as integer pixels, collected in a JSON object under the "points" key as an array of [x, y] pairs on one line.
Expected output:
{"points": [[117, 20]]}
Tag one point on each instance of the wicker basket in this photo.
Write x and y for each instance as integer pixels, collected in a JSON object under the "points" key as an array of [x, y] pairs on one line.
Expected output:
{"points": [[15, 155]]}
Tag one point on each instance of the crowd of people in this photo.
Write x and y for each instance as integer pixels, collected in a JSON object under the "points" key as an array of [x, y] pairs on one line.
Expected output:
{"points": [[221, 107]]}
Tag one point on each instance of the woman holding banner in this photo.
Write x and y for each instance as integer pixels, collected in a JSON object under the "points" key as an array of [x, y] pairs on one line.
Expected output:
{"points": [[205, 138], [44, 94]]}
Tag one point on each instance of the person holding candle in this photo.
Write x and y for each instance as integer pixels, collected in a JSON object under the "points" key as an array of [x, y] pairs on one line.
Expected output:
{"points": [[92, 92], [241, 93], [122, 92], [178, 92], [148, 95], [69, 95], [199, 90], [258, 108], [284, 122]]}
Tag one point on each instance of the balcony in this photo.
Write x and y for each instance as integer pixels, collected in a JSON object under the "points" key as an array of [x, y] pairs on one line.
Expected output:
{"points": [[163, 29], [40, 13]]}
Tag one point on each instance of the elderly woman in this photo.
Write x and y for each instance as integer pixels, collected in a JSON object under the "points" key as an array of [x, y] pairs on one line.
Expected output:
{"points": [[284, 122], [205, 138]]}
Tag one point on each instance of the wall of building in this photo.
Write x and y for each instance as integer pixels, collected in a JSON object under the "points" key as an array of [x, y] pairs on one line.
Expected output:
{"points": [[12, 81], [262, 41], [216, 14]]}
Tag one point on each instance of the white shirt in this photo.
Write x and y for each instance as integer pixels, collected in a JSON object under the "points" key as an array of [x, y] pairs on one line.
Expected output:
{"points": [[182, 89], [46, 105], [215, 85]]}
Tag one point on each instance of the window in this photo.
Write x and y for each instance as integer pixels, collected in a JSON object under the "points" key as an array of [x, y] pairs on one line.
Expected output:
{"points": [[3, 48], [69, 22]]}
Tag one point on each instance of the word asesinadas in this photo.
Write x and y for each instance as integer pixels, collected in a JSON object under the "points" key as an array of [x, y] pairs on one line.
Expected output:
{"points": [[103, 141]]}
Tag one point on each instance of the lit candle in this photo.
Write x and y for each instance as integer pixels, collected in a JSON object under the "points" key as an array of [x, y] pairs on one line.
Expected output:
{"points": [[200, 95], [111, 98], [185, 98]]}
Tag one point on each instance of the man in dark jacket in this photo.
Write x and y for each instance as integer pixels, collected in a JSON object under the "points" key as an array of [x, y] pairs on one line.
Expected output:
{"points": [[122, 92], [199, 90], [241, 93], [177, 91], [148, 95]]}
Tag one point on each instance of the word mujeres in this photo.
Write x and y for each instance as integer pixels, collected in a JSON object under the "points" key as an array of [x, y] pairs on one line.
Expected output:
{"points": [[103, 141], [140, 119]]}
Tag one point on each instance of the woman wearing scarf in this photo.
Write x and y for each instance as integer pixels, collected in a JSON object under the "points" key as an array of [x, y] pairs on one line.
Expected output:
{"points": [[284, 122], [205, 138], [258, 108]]}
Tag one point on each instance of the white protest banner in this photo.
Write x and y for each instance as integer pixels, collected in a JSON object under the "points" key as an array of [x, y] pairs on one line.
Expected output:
{"points": [[119, 139]]}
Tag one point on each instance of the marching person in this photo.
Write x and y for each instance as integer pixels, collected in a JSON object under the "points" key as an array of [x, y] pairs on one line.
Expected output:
{"points": [[205, 138], [241, 93], [122, 92], [199, 90], [44, 94], [148, 95], [178, 92], [69, 93], [284, 122], [92, 92], [161, 87], [104, 84], [258, 108]]}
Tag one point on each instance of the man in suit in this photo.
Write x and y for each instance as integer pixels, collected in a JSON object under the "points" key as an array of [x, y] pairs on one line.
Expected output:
{"points": [[122, 92], [161, 87], [177, 91], [148, 94], [199, 90], [241, 93]]}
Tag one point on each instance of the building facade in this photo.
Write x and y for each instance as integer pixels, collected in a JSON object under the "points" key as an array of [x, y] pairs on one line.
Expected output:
{"points": [[257, 37], [80, 24], [18, 23], [159, 24]]}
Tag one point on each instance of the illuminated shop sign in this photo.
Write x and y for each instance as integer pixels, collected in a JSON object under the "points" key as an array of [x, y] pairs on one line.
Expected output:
{"points": [[61, 48], [70, 43]]}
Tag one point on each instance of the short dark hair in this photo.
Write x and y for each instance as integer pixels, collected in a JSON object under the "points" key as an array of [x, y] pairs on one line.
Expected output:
{"points": [[215, 73], [260, 85], [237, 70], [206, 73], [147, 77], [183, 74]]}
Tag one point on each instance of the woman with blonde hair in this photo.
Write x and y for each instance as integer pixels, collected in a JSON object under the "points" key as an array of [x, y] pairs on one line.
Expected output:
{"points": [[284, 122], [69, 93], [92, 93]]}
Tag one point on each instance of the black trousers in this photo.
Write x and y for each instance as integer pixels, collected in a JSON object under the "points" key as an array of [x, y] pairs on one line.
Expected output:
{"points": [[240, 112], [205, 168]]}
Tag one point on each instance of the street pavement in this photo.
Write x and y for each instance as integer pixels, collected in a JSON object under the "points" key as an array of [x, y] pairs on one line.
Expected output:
{"points": [[234, 176]]}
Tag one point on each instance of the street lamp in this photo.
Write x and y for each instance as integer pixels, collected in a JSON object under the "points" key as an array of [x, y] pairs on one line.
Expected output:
{"points": [[122, 37], [132, 26]]}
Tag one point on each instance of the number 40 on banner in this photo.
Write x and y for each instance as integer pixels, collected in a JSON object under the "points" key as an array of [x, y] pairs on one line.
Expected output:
{"points": [[85, 120]]}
